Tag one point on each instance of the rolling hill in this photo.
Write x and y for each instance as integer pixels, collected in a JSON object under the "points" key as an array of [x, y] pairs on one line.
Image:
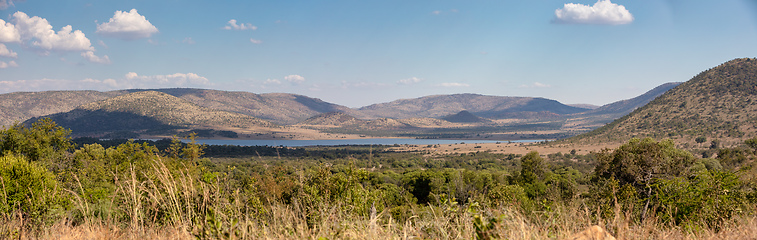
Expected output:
{"points": [[20, 106], [438, 106], [720, 103], [148, 111], [464, 117], [280, 108]]}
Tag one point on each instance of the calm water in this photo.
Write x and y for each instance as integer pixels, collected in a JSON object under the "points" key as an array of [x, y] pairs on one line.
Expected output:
{"points": [[338, 142]]}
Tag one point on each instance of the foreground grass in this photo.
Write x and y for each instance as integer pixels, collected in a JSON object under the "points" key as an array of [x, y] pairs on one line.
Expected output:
{"points": [[432, 222]]}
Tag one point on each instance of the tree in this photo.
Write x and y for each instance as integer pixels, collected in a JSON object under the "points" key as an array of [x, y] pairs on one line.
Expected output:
{"points": [[700, 139], [532, 167], [28, 187], [44, 140], [641, 163], [532, 175], [752, 143]]}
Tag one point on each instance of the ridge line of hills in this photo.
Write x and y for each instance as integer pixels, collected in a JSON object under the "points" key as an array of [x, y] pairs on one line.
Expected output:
{"points": [[166, 110], [287, 109]]}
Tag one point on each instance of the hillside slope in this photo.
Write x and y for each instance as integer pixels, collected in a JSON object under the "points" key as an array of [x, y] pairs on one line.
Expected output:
{"points": [[20, 106], [148, 110], [280, 108], [623, 107], [437, 106], [720, 103], [464, 117]]}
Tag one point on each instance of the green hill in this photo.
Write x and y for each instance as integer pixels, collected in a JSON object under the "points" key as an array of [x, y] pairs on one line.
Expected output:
{"points": [[720, 103]]}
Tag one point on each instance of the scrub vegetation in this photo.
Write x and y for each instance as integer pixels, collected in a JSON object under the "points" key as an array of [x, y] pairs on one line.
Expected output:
{"points": [[54, 188]]}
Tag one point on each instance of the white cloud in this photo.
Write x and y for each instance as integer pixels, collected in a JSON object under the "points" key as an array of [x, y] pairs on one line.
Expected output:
{"points": [[602, 12], [9, 32], [91, 57], [8, 64], [5, 52], [244, 26], [188, 40], [255, 41], [101, 43], [409, 81], [4, 4], [41, 34], [437, 12], [454, 85], [37, 34], [295, 79], [47, 84], [272, 82], [133, 80], [129, 81], [536, 85], [127, 25]]}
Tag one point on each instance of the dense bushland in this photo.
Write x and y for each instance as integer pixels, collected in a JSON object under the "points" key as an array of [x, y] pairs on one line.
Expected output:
{"points": [[138, 189]]}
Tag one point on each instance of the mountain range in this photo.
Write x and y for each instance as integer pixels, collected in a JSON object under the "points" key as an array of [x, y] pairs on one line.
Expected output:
{"points": [[150, 110]]}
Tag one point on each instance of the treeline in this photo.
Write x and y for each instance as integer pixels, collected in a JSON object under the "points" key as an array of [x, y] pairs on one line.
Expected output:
{"points": [[49, 180]]}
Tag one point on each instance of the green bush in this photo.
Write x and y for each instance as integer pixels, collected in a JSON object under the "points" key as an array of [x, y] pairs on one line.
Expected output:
{"points": [[711, 197], [29, 188]]}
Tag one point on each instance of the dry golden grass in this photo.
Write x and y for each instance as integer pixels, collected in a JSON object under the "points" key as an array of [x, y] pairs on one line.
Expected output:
{"points": [[431, 222]]}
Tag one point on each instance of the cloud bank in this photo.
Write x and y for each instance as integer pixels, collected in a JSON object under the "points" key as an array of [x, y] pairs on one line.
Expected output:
{"points": [[130, 80], [36, 33], [602, 12]]}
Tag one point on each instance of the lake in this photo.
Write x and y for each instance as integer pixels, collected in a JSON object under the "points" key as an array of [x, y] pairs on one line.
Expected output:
{"points": [[339, 142]]}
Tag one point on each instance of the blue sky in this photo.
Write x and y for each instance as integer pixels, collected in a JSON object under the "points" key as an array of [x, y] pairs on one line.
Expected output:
{"points": [[357, 53]]}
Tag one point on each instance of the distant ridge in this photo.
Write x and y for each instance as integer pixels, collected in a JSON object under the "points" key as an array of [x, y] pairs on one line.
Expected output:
{"points": [[720, 103], [624, 107], [331, 119], [280, 108], [20, 106], [585, 106], [438, 106], [147, 111], [464, 117]]}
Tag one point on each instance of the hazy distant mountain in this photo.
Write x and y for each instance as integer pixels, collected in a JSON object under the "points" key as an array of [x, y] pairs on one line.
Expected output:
{"points": [[720, 103], [331, 119], [464, 117], [437, 106], [345, 122], [623, 107], [586, 106], [148, 110]]}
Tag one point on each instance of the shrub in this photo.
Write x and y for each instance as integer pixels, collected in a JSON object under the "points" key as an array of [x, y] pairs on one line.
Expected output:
{"points": [[29, 188]]}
